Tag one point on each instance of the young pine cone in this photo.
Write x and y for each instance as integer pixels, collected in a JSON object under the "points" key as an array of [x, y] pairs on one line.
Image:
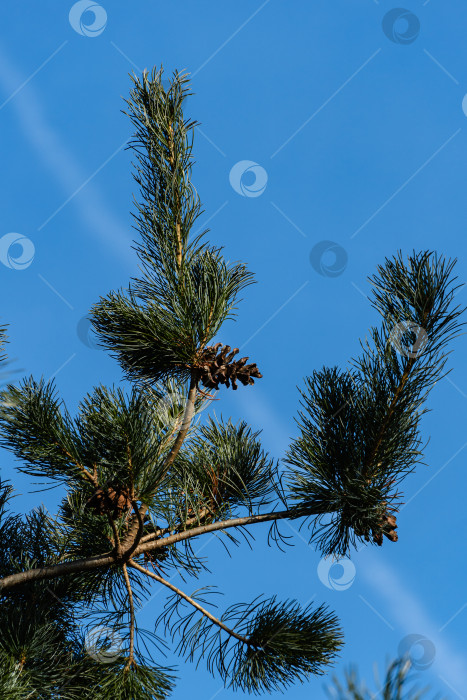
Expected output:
{"points": [[388, 529], [114, 500], [216, 367], [158, 555]]}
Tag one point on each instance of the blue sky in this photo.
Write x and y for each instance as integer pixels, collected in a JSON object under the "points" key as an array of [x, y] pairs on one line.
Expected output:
{"points": [[357, 136]]}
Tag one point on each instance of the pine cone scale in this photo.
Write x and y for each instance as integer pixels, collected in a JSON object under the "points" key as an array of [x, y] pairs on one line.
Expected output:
{"points": [[216, 367], [114, 500]]}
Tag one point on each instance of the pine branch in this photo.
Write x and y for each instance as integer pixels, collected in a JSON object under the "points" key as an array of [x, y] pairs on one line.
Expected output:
{"points": [[3, 342], [185, 426], [291, 644], [135, 533], [226, 469], [117, 543], [359, 430], [397, 684], [215, 527], [282, 641], [160, 327], [188, 414], [192, 602], [108, 559], [36, 430], [130, 661]]}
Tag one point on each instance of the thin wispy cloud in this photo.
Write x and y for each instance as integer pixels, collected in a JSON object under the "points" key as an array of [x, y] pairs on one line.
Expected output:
{"points": [[257, 412], [62, 164], [404, 608]]}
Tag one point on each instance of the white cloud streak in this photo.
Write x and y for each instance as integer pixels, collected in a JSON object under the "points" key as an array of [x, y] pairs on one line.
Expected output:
{"points": [[61, 163], [404, 607]]}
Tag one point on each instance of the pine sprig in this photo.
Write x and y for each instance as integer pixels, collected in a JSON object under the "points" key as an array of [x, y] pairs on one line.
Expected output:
{"points": [[287, 643], [225, 468], [399, 684], [38, 431], [280, 642], [3, 342], [158, 328], [163, 142], [359, 430]]}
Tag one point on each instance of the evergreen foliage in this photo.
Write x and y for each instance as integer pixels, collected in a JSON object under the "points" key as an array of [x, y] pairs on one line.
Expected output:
{"points": [[400, 683], [359, 431], [143, 477]]}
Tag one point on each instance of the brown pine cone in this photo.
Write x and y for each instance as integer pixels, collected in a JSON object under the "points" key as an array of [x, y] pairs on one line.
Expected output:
{"points": [[388, 527], [216, 367], [114, 500], [378, 538]]}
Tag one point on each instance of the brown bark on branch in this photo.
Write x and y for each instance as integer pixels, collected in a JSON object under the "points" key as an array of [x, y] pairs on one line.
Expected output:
{"points": [[109, 558], [131, 659], [196, 605], [184, 428]]}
